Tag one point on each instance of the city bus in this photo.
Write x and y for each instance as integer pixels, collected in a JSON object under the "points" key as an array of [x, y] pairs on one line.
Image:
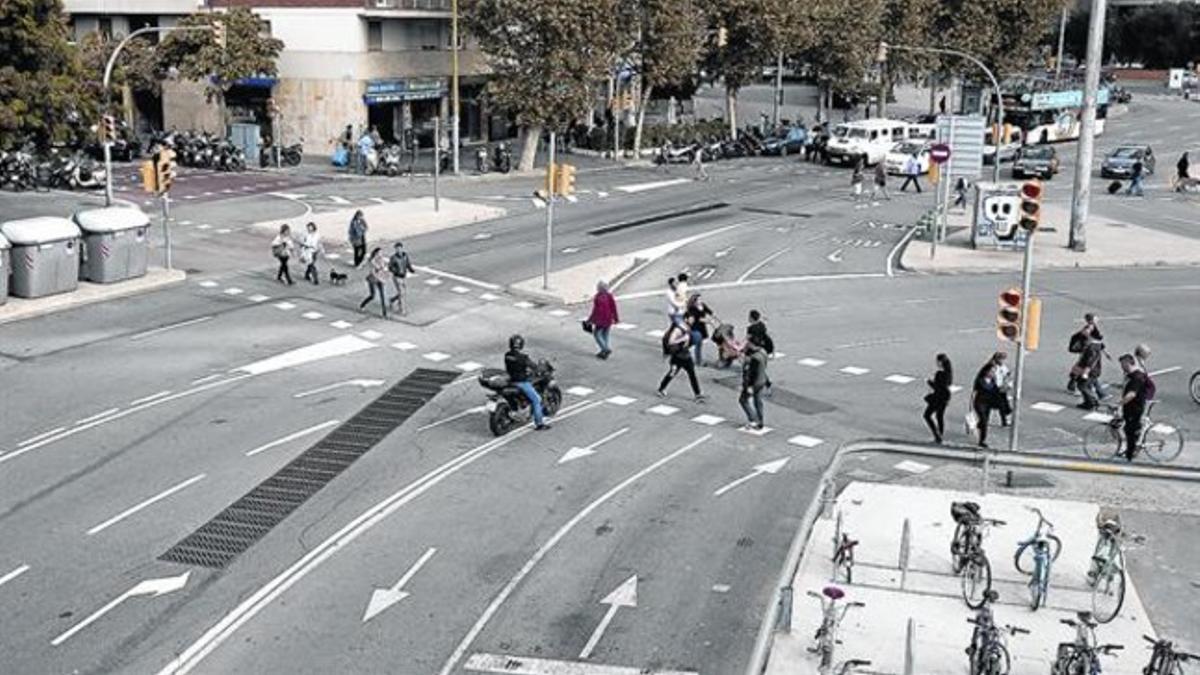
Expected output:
{"points": [[1052, 115]]}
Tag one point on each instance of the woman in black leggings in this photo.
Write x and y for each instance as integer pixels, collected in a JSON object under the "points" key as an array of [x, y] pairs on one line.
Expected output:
{"points": [[937, 399], [675, 343]]}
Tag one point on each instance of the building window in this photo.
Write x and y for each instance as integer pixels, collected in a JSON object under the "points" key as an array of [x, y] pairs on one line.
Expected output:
{"points": [[105, 27], [374, 36]]}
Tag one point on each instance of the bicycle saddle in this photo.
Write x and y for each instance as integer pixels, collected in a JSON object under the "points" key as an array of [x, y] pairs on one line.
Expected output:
{"points": [[833, 592], [1111, 526]]}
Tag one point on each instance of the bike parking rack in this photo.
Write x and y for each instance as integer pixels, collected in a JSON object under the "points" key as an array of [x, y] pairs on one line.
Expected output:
{"points": [[779, 620]]}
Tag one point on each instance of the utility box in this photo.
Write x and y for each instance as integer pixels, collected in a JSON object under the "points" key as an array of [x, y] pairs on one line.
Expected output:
{"points": [[5, 269], [114, 245], [45, 252]]}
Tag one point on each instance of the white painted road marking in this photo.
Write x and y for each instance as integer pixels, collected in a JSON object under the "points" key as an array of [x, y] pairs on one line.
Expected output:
{"points": [[403, 346], [312, 316], [340, 324], [141, 505], [642, 187], [762, 264], [770, 468], [363, 384], [910, 466], [436, 357], [468, 411], [382, 598], [291, 437], [805, 441], [370, 334], [285, 306], [1047, 407], [663, 410], [40, 436], [559, 313], [580, 391], [578, 452], [854, 370], [811, 363], [835, 257], [469, 366], [708, 420], [510, 664], [97, 416], [620, 400], [162, 329], [151, 587], [502, 596], [1098, 417], [340, 346], [624, 595], [14, 574], [151, 397], [899, 379]]}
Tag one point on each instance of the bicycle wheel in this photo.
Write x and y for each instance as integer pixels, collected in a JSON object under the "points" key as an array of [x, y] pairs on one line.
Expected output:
{"points": [[1108, 594], [996, 660], [956, 558], [1023, 558], [1079, 664], [1163, 442], [1194, 386], [1102, 441], [976, 580]]}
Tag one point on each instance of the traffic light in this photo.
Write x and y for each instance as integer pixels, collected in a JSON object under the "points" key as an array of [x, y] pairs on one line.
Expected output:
{"points": [[218, 28], [1031, 205], [1008, 319], [149, 177], [107, 131], [164, 170], [564, 182], [550, 182]]}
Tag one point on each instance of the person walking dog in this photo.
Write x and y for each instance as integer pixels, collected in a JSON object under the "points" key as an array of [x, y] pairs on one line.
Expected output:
{"points": [[310, 250], [602, 319]]}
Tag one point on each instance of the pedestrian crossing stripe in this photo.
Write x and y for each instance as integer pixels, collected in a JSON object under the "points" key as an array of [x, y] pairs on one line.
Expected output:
{"points": [[580, 391], [854, 370], [469, 366], [625, 326], [461, 290], [433, 282], [312, 316], [436, 357], [234, 291], [370, 334], [805, 441], [523, 304], [811, 363], [559, 312], [708, 420], [1047, 407], [489, 297], [620, 400], [899, 379], [403, 346], [754, 431], [663, 410], [341, 325], [285, 306], [209, 284]]}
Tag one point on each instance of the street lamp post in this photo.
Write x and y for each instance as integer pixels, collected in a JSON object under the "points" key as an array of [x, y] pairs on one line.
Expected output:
{"points": [[882, 57], [454, 101], [108, 68]]}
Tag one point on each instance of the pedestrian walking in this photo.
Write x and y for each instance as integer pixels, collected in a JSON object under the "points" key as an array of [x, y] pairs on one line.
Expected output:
{"points": [[1136, 176], [675, 348], [1182, 175], [1077, 343], [357, 235], [366, 143], [856, 181], [310, 250], [700, 314], [912, 172], [282, 247], [754, 380], [1088, 370], [603, 318], [1137, 392], [1001, 375], [983, 399], [675, 303], [377, 270], [960, 193], [699, 172], [880, 186], [400, 266], [938, 397], [756, 332]]}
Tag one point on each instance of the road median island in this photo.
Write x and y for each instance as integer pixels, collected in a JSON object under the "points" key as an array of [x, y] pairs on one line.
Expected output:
{"points": [[156, 278], [1110, 244], [390, 221]]}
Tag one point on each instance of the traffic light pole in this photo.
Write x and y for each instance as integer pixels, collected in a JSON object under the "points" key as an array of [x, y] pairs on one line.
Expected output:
{"points": [[166, 217], [550, 189], [1026, 282], [437, 161]]}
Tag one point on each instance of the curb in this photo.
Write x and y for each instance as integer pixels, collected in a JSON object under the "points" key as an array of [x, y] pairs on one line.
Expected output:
{"points": [[33, 308]]}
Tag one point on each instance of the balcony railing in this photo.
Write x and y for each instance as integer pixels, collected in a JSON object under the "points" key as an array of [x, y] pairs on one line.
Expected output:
{"points": [[428, 5]]}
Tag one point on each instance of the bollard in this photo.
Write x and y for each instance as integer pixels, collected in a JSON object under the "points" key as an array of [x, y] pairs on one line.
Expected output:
{"points": [[837, 540], [905, 545], [910, 639], [783, 622]]}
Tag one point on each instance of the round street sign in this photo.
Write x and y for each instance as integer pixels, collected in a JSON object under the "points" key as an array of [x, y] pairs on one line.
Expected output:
{"points": [[939, 153]]}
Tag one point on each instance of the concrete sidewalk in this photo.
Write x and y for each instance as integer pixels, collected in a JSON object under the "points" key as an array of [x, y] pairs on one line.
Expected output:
{"points": [[17, 309], [1110, 244], [390, 221], [874, 514]]}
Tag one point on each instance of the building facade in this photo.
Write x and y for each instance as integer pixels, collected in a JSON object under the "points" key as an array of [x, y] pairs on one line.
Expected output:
{"points": [[357, 63]]}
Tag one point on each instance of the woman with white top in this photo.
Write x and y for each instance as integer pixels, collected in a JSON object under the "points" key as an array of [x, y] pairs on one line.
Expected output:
{"points": [[310, 250]]}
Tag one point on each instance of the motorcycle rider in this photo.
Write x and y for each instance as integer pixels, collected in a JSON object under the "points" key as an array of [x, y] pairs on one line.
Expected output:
{"points": [[520, 374]]}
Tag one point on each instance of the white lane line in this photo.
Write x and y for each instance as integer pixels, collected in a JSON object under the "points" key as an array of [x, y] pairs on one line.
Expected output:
{"points": [[162, 329], [40, 436], [455, 416], [151, 397], [767, 281], [1164, 371], [138, 507], [642, 187], [485, 285], [766, 261], [14, 574], [221, 631], [207, 378], [512, 664], [1045, 406], [291, 437], [549, 545], [97, 416]]}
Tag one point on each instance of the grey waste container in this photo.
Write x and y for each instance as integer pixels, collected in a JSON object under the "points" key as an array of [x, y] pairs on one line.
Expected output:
{"points": [[4, 269], [45, 256], [114, 246]]}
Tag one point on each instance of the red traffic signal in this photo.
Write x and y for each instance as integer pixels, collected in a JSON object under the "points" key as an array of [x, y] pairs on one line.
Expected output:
{"points": [[1031, 205], [1008, 319]]}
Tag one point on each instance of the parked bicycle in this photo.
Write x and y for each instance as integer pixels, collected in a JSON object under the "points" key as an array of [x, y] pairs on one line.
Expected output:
{"points": [[1164, 659], [843, 553], [1160, 441], [832, 615], [988, 652], [1081, 657], [1106, 576], [1035, 556], [970, 561], [851, 666]]}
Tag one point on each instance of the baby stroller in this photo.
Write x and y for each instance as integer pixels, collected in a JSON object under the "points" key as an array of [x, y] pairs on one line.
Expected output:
{"points": [[728, 346]]}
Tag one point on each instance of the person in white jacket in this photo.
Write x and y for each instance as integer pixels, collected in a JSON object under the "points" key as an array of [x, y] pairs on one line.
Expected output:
{"points": [[310, 250], [281, 247]]}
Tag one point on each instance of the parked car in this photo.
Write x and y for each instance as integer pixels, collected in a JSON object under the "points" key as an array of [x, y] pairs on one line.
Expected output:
{"points": [[1119, 162], [1014, 139], [897, 157], [790, 143], [1035, 160]]}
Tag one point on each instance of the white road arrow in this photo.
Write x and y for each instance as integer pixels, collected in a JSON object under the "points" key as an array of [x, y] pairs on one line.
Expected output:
{"points": [[152, 587], [724, 252], [767, 468], [577, 452], [287, 195], [361, 384], [624, 595], [382, 598], [835, 257]]}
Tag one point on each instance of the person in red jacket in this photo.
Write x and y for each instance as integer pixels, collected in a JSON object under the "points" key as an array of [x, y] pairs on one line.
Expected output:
{"points": [[604, 315]]}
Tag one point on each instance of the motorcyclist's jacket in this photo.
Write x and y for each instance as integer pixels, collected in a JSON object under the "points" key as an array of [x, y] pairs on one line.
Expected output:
{"points": [[519, 366]]}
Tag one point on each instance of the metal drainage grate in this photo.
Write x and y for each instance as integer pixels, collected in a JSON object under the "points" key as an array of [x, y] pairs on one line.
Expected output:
{"points": [[220, 540]]}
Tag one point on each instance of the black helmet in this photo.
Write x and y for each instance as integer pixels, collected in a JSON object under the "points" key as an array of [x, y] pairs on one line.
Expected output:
{"points": [[516, 343]]}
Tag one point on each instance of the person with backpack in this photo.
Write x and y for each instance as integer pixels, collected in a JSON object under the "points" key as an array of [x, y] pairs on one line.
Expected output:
{"points": [[1088, 370], [1079, 340], [675, 347], [754, 380], [700, 314], [282, 247], [310, 250], [400, 266], [357, 236]]}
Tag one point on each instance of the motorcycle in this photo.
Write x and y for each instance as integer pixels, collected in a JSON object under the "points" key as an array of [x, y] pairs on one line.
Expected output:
{"points": [[507, 406], [17, 170], [291, 155], [674, 154], [390, 160], [228, 157], [502, 158]]}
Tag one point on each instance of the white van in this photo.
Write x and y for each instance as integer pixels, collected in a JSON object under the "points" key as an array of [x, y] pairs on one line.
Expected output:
{"points": [[866, 139]]}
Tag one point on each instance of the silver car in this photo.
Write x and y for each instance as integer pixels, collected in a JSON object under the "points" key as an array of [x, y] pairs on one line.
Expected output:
{"points": [[1119, 163], [1035, 160]]}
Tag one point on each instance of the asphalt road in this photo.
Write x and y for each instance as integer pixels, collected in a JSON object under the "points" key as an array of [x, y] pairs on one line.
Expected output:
{"points": [[127, 426]]}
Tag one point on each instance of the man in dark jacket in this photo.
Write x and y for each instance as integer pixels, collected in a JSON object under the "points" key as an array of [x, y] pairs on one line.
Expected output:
{"points": [[520, 374], [1133, 403], [400, 265], [1079, 341], [1088, 369], [756, 332], [754, 379]]}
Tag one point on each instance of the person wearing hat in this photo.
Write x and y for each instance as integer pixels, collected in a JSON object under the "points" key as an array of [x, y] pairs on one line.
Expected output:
{"points": [[400, 266]]}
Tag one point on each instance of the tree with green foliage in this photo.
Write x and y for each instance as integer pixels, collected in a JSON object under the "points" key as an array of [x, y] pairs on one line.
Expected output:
{"points": [[755, 32], [46, 99], [906, 22], [546, 57], [138, 66], [841, 45], [1163, 35], [196, 54]]}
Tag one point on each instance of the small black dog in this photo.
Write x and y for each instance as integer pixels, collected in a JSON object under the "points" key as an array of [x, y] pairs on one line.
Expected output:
{"points": [[337, 278]]}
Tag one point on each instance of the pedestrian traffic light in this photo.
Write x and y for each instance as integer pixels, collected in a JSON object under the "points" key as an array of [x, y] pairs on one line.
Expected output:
{"points": [[722, 36], [564, 182], [1008, 319], [164, 169], [1031, 205], [149, 177], [218, 28]]}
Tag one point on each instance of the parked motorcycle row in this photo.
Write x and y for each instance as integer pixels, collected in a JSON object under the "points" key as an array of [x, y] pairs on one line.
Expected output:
{"points": [[751, 142], [22, 169], [201, 150]]}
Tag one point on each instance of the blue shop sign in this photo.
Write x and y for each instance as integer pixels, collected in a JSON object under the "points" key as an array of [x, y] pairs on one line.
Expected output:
{"points": [[395, 91]]}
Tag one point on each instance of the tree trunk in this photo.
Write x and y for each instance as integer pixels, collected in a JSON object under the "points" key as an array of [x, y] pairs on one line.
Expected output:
{"points": [[932, 92], [529, 146], [641, 120], [731, 110], [822, 114]]}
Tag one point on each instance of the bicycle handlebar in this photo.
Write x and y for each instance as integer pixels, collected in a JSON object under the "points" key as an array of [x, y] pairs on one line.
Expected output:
{"points": [[1109, 648], [856, 604], [1015, 630]]}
